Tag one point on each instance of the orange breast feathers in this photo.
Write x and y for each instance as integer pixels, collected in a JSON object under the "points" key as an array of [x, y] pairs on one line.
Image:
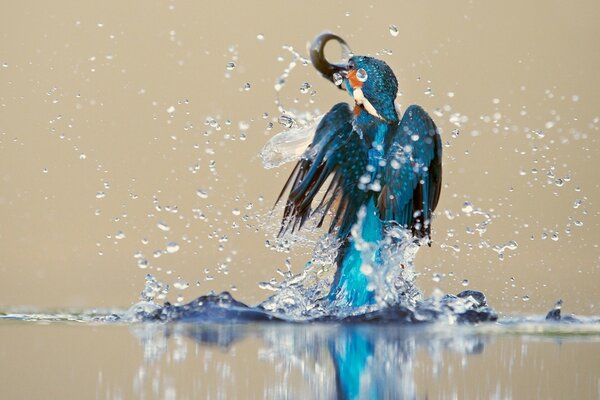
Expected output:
{"points": [[354, 82]]}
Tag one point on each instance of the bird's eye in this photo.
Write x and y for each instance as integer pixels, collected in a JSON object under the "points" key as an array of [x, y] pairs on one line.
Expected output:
{"points": [[361, 75], [351, 64]]}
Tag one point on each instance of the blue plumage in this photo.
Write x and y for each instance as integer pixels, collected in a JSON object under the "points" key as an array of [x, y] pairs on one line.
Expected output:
{"points": [[376, 165]]}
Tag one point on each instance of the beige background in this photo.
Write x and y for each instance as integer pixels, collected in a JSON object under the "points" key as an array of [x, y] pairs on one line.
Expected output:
{"points": [[84, 94]]}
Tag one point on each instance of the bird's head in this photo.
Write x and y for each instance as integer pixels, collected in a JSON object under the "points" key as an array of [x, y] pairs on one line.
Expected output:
{"points": [[370, 81], [373, 85]]}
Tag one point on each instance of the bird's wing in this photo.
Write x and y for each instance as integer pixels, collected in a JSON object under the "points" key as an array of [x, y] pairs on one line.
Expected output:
{"points": [[412, 177], [336, 152]]}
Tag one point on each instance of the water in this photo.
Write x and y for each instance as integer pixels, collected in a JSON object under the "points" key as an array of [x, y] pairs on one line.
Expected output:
{"points": [[298, 344], [224, 349]]}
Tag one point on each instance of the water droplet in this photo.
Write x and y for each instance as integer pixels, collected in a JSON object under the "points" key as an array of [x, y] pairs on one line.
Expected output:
{"points": [[465, 282], [467, 207], [120, 235], [100, 195], [203, 194], [436, 277], [163, 226], [366, 269], [305, 87], [394, 30], [260, 37], [554, 236], [559, 182], [267, 286], [172, 247], [337, 79], [236, 211], [82, 156], [364, 179], [171, 109], [525, 298], [45, 170], [212, 122], [362, 75], [230, 66], [142, 263], [454, 247], [246, 87], [286, 121], [375, 186], [180, 284]]}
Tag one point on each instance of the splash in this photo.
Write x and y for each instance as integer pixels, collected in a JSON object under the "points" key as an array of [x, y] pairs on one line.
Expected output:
{"points": [[288, 145], [303, 297], [467, 307]]}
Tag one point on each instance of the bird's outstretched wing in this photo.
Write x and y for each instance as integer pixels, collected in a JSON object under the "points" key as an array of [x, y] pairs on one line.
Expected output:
{"points": [[339, 153], [412, 177]]}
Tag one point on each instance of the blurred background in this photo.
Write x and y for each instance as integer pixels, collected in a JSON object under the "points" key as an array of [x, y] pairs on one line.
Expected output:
{"points": [[130, 135]]}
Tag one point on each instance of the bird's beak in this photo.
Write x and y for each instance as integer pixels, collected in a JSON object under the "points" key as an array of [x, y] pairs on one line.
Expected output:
{"points": [[317, 56]]}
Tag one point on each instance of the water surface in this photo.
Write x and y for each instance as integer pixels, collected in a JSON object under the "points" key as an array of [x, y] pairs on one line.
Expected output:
{"points": [[508, 359]]}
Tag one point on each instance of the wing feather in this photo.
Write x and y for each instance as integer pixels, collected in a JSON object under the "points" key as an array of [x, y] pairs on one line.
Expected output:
{"points": [[337, 154], [413, 177]]}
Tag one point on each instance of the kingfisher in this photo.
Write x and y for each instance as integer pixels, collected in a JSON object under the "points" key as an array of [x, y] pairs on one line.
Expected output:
{"points": [[377, 169]]}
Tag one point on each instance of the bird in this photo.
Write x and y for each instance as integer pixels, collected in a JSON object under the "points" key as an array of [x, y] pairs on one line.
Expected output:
{"points": [[375, 166]]}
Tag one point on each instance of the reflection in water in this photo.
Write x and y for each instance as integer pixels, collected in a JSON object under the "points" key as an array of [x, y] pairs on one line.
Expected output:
{"points": [[91, 355], [367, 361]]}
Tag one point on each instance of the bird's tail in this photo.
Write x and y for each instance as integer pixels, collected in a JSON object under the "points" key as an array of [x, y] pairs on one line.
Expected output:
{"points": [[356, 260]]}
